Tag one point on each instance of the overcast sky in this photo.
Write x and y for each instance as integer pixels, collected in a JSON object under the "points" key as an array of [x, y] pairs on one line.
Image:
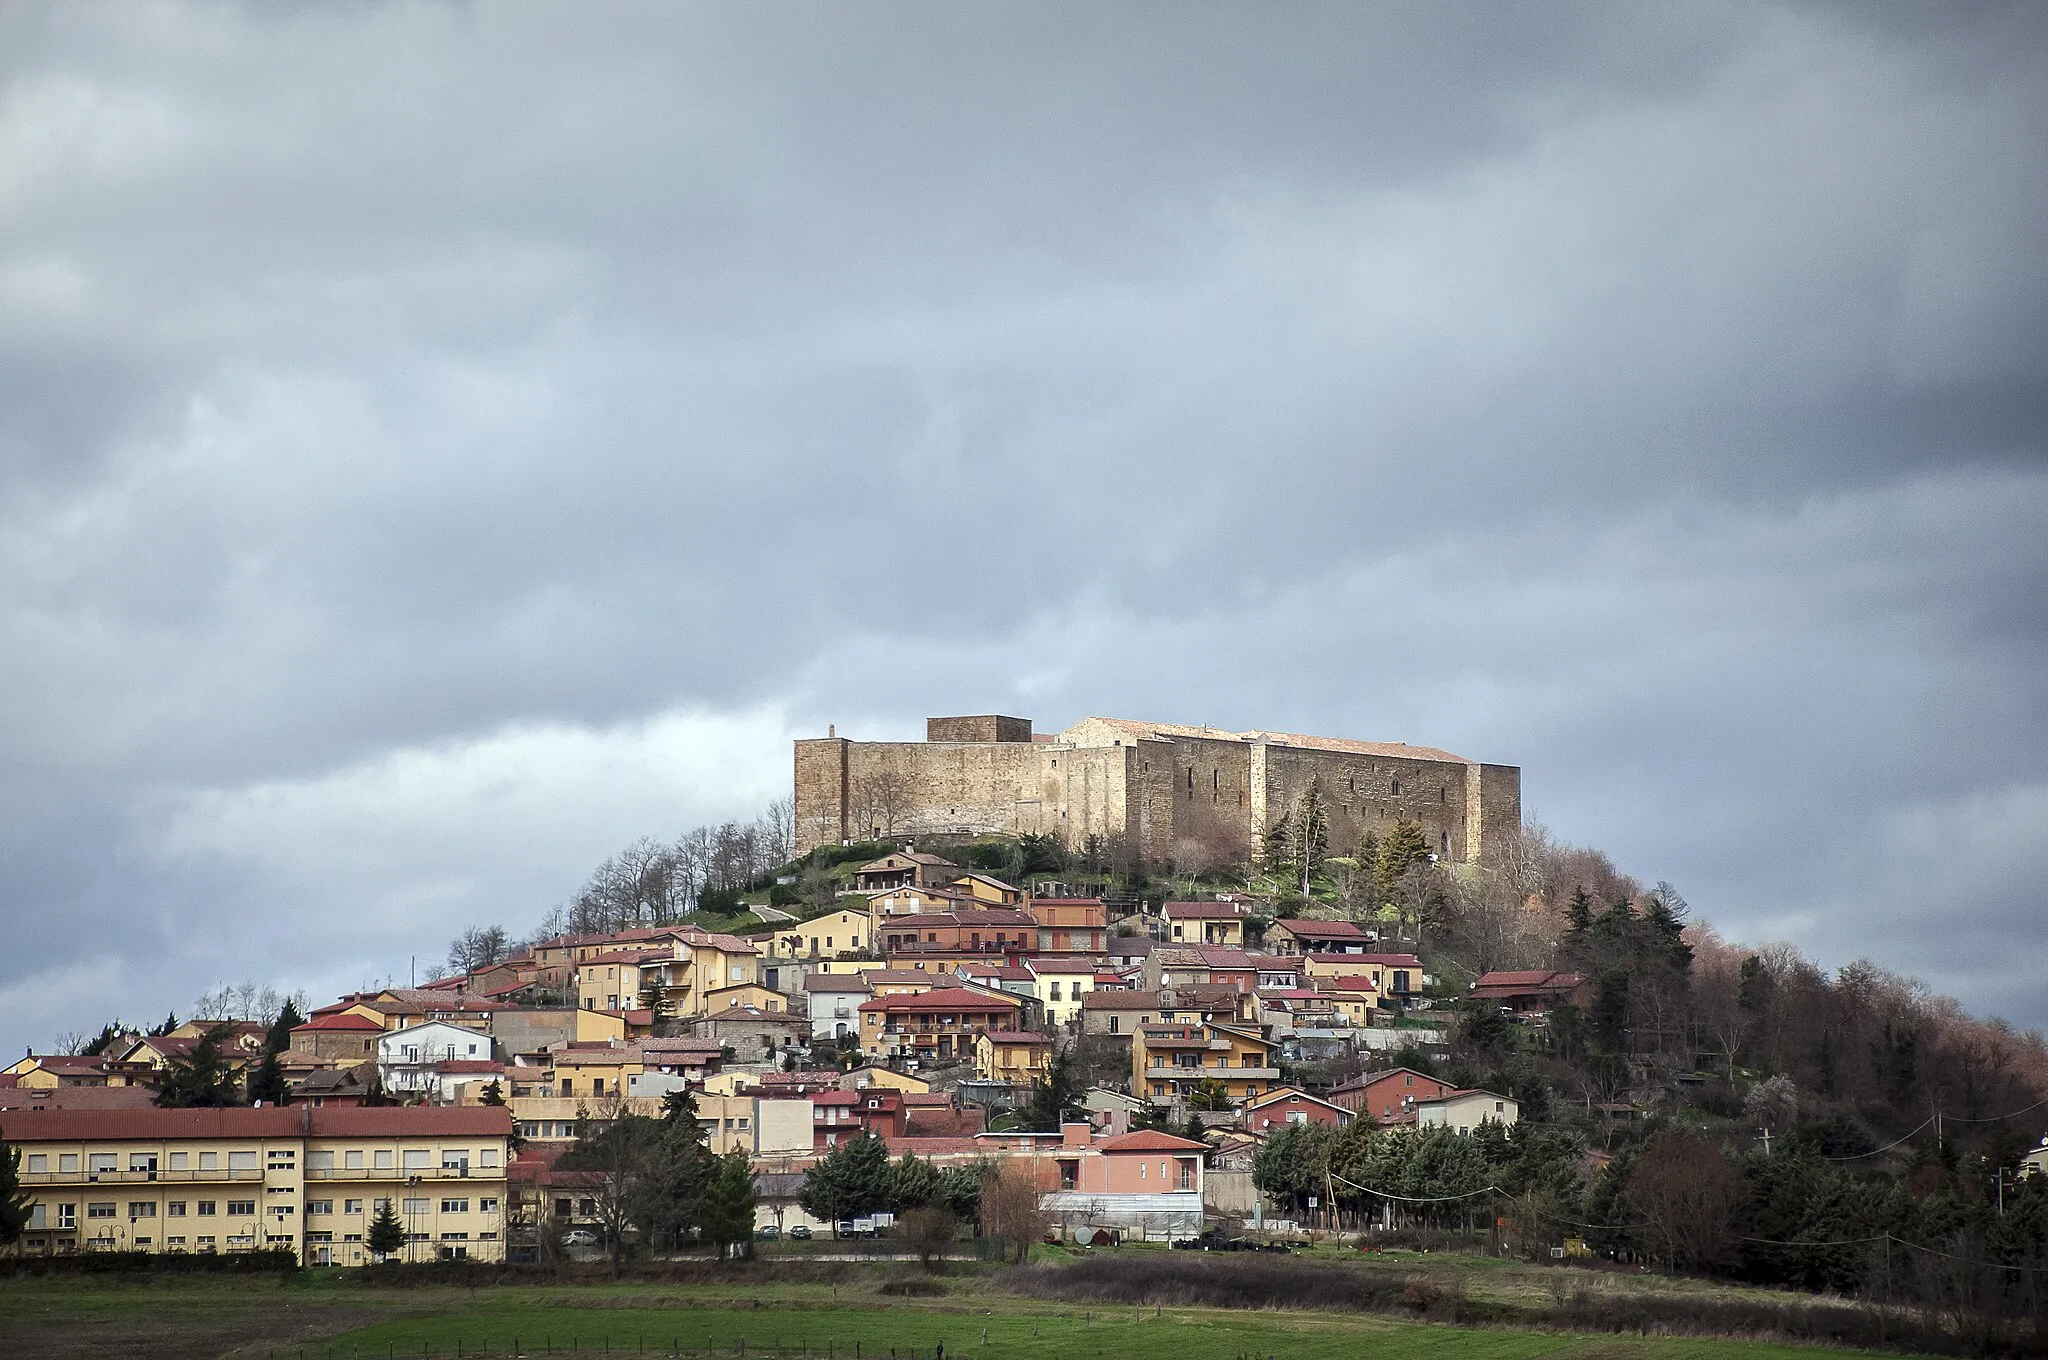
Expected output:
{"points": [[441, 443]]}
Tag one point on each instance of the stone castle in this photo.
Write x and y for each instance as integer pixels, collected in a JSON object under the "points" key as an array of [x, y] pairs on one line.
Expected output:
{"points": [[1158, 786]]}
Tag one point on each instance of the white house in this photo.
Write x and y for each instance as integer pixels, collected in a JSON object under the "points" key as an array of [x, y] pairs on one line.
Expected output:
{"points": [[433, 1059], [1465, 1110]]}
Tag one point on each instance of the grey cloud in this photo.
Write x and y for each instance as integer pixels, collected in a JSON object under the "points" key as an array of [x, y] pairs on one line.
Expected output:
{"points": [[373, 379]]}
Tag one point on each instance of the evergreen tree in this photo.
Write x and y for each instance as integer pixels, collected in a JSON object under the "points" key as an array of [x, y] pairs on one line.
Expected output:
{"points": [[654, 998], [851, 1181], [200, 1080], [387, 1234], [1402, 849], [267, 1085], [14, 1202], [727, 1214], [492, 1094], [170, 1023], [1055, 1098], [960, 1189], [914, 1183]]}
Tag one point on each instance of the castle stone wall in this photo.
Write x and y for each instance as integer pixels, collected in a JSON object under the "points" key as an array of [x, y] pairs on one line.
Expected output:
{"points": [[985, 774]]}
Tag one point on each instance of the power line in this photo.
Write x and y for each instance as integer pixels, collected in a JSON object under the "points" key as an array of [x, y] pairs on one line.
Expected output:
{"points": [[1858, 1156]]}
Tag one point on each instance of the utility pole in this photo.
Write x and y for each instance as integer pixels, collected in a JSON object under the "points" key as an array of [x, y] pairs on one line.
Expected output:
{"points": [[1765, 1134]]}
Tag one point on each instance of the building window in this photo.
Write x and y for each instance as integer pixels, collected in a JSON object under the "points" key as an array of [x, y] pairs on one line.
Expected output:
{"points": [[38, 1163], [241, 1208], [204, 1208], [100, 1209], [454, 1206], [351, 1206], [104, 1163], [209, 1161], [419, 1206], [174, 1209], [319, 1206]]}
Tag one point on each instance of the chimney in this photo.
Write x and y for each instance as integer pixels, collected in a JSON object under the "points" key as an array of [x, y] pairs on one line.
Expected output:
{"points": [[1076, 1135], [831, 730]]}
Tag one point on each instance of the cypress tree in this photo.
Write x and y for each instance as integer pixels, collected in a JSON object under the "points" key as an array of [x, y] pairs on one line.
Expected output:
{"points": [[14, 1202]]}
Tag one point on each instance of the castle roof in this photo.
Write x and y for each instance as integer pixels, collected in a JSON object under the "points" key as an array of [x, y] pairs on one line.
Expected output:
{"points": [[1396, 750]]}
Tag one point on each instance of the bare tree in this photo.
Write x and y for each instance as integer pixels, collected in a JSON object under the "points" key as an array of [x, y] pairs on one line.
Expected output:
{"points": [[877, 798], [1688, 1195], [477, 947], [778, 831], [930, 1231], [1009, 1207]]}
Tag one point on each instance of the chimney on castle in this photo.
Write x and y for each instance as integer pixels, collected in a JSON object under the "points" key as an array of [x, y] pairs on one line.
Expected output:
{"points": [[831, 730]]}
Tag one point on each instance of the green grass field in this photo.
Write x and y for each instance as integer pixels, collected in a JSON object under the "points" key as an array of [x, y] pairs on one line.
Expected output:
{"points": [[345, 1318]]}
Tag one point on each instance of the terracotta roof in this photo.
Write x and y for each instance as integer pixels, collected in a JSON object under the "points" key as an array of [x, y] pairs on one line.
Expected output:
{"points": [[76, 1097], [836, 982], [625, 956], [892, 977], [335, 1121], [70, 1062], [1321, 930], [934, 1147], [1114, 999], [1149, 1140], [1216, 956], [339, 1021], [1202, 911], [943, 999], [1394, 750], [965, 916], [1000, 972], [462, 1066], [1017, 1037], [1066, 901]]}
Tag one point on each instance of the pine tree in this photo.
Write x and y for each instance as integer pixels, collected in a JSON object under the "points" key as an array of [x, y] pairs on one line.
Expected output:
{"points": [[727, 1214], [200, 1080], [1056, 1098], [850, 1181], [493, 1094], [387, 1234], [15, 1204]]}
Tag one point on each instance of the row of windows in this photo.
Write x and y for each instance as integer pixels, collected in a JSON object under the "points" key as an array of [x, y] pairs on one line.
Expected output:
{"points": [[146, 1208], [486, 1205], [381, 1159]]}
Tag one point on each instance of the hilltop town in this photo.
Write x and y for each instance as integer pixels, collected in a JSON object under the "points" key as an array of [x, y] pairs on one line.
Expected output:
{"points": [[1169, 981]]}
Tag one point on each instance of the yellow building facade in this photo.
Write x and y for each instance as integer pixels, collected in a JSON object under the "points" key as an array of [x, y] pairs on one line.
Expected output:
{"points": [[298, 1179]]}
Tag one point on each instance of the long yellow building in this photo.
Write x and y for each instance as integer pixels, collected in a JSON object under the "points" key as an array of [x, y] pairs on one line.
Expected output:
{"points": [[297, 1178]]}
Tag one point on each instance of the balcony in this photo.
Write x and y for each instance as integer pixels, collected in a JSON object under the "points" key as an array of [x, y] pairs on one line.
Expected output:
{"points": [[179, 1177]]}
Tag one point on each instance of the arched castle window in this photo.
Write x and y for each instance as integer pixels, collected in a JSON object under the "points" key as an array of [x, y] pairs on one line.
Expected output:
{"points": [[1397, 786]]}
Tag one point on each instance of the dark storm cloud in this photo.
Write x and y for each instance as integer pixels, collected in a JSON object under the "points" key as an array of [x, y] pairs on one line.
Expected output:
{"points": [[439, 442]]}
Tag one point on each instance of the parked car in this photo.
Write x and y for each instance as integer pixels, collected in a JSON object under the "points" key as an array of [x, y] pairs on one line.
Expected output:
{"points": [[799, 1233], [770, 1233], [579, 1237]]}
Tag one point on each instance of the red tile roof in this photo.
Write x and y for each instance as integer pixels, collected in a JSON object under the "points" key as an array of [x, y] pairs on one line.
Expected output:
{"points": [[1321, 930], [353, 1023], [944, 999], [483, 1121], [1149, 1140], [1201, 911]]}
